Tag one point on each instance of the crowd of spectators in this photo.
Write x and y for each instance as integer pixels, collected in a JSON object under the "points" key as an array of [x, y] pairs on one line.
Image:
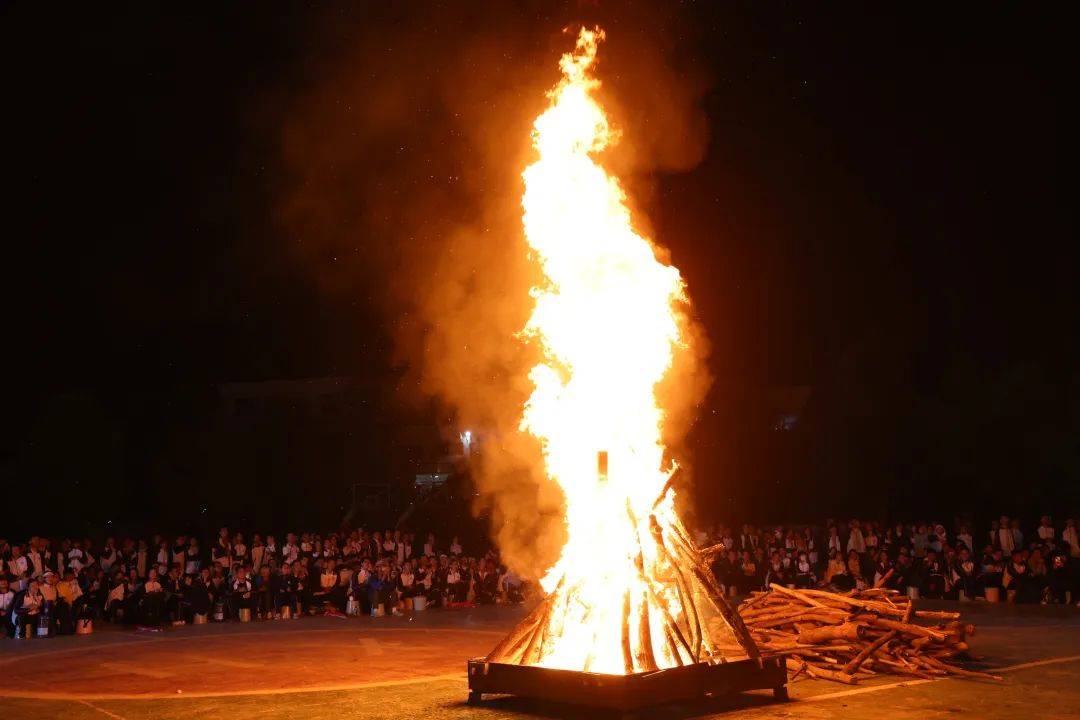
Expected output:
{"points": [[1039, 564], [49, 587]]}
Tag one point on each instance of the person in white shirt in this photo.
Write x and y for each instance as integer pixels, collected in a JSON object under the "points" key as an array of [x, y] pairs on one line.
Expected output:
{"points": [[964, 536], [107, 556], [856, 541], [455, 546], [1006, 539], [1046, 530], [834, 543], [37, 562], [291, 551], [242, 596], [456, 587], [18, 565], [1018, 536]]}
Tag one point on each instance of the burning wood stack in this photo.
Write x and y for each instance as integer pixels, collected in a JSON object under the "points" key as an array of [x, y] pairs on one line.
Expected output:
{"points": [[671, 613], [847, 636]]}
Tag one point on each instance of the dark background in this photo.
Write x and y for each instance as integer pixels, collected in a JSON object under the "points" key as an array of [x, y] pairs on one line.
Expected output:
{"points": [[877, 244]]}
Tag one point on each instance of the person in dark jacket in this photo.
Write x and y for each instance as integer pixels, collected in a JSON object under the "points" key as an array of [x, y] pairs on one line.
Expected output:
{"points": [[198, 593]]}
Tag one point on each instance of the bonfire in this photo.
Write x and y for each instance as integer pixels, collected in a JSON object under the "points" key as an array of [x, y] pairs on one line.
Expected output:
{"points": [[630, 592]]}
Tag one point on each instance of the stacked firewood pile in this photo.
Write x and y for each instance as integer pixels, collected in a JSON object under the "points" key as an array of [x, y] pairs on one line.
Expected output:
{"points": [[847, 636]]}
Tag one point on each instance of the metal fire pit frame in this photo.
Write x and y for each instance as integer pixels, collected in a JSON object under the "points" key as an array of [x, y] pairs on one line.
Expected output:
{"points": [[627, 692]]}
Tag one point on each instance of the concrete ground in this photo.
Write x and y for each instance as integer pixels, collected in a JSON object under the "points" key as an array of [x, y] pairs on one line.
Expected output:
{"points": [[401, 669]]}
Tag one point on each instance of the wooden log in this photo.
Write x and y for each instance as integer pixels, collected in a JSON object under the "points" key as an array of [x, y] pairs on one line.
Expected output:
{"points": [[937, 614], [884, 578], [837, 676], [797, 594], [646, 659], [959, 670], [628, 655], [519, 636], [908, 628], [847, 631], [869, 650]]}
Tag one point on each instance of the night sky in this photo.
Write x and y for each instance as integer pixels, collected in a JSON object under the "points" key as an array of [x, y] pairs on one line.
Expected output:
{"points": [[881, 214]]}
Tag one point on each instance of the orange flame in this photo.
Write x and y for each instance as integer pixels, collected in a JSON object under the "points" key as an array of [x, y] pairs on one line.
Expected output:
{"points": [[606, 318]]}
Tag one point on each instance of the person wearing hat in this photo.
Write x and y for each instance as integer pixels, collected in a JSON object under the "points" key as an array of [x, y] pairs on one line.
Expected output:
{"points": [[49, 581]]}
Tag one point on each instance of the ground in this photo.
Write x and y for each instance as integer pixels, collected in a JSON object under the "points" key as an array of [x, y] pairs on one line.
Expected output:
{"points": [[402, 669]]}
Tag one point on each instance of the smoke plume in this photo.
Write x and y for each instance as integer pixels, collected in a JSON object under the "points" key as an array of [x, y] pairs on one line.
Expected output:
{"points": [[404, 152]]}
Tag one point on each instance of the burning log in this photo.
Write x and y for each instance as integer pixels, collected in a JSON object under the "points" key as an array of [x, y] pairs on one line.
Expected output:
{"points": [[840, 636]]}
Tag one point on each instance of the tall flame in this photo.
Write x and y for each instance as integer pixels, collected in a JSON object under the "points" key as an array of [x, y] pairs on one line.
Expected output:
{"points": [[606, 318]]}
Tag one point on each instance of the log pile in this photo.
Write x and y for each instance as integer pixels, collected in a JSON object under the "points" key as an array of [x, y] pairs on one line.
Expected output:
{"points": [[847, 636]]}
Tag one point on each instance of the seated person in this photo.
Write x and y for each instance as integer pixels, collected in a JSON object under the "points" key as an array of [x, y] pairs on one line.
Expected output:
{"points": [[457, 587], [28, 605], [267, 586], [329, 594], [151, 598], [804, 572], [487, 583], [7, 603], [836, 573], [934, 581], [965, 574], [199, 594], [359, 589], [241, 595]]}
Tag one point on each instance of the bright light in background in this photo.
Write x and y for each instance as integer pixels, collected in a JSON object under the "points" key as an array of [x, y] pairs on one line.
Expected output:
{"points": [[466, 441]]}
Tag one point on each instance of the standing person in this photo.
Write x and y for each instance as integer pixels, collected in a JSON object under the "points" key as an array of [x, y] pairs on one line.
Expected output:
{"points": [[18, 564], [964, 538], [240, 550], [834, 545], [179, 552], [192, 562], [856, 541], [36, 561], [108, 555], [1006, 540], [142, 559], [1018, 536], [257, 552], [1046, 529], [1072, 537], [429, 545], [290, 553], [270, 553], [873, 539], [7, 605], [221, 554]]}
